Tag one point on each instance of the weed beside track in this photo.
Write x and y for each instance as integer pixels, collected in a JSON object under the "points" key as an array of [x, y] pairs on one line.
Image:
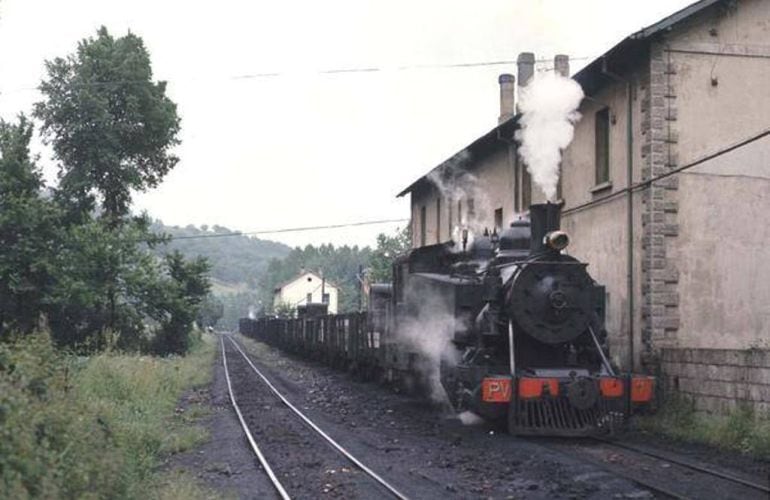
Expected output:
{"points": [[95, 427]]}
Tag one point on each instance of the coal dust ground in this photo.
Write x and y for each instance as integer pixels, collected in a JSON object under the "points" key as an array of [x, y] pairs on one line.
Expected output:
{"points": [[422, 449]]}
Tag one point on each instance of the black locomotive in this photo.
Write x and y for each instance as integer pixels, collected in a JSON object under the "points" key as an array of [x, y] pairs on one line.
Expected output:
{"points": [[518, 322]]}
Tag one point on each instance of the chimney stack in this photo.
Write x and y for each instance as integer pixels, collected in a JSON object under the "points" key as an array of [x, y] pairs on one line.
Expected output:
{"points": [[507, 102], [526, 66], [561, 65]]}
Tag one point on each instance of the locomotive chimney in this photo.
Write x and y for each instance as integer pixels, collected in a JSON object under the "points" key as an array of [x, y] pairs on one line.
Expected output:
{"points": [[507, 88], [544, 218], [561, 65]]}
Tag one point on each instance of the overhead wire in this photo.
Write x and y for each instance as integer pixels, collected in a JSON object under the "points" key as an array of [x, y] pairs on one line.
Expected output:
{"points": [[332, 71], [286, 230]]}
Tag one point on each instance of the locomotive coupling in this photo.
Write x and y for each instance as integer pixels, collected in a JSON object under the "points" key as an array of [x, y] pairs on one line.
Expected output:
{"points": [[556, 240]]}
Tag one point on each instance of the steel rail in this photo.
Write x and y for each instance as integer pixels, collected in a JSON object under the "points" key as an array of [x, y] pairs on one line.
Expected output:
{"points": [[318, 430], [687, 464], [273, 478], [652, 486]]}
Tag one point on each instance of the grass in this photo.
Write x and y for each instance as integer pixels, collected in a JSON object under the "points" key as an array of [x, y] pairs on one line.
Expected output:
{"points": [[739, 431], [96, 427]]}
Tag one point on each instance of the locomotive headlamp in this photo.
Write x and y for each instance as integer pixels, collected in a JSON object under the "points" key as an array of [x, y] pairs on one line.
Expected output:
{"points": [[557, 240]]}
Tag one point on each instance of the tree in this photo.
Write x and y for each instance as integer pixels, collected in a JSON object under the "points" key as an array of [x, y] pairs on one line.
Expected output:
{"points": [[111, 127], [388, 248], [186, 288], [105, 281], [211, 311], [28, 232]]}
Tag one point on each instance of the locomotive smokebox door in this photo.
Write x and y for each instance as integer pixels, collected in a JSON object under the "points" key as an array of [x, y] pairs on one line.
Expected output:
{"points": [[552, 301]]}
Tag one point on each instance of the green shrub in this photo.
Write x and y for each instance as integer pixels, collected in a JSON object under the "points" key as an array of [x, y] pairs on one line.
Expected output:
{"points": [[740, 430], [91, 427]]}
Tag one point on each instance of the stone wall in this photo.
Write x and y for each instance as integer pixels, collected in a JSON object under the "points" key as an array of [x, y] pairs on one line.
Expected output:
{"points": [[660, 275], [719, 380]]}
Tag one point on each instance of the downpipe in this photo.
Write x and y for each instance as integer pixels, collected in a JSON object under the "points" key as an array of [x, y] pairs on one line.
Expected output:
{"points": [[629, 207]]}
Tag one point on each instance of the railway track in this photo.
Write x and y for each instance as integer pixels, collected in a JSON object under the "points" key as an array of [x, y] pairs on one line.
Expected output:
{"points": [[665, 474], [763, 489], [294, 445]]}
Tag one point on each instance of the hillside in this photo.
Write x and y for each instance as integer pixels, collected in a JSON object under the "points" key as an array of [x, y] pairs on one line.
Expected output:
{"points": [[237, 262]]}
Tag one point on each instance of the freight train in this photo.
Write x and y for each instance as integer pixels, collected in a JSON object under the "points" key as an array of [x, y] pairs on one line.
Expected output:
{"points": [[510, 324]]}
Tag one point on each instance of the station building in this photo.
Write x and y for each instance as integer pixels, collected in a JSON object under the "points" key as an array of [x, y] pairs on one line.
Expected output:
{"points": [[665, 192], [306, 288]]}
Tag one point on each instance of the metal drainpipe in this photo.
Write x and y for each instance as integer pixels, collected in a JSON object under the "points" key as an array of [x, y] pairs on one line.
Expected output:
{"points": [[630, 207]]}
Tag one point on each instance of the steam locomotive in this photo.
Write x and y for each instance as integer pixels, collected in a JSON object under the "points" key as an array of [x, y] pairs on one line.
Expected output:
{"points": [[515, 325]]}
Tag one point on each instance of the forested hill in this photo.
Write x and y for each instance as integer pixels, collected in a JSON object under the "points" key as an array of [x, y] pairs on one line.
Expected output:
{"points": [[244, 270], [237, 261]]}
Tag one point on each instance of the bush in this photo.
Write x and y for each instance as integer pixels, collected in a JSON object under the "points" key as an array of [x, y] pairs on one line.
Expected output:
{"points": [[90, 428], [740, 430]]}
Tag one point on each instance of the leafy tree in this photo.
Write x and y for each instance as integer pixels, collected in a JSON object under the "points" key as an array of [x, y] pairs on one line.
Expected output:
{"points": [[388, 248], [284, 310], [111, 127], [186, 289], [211, 311], [28, 232], [106, 282]]}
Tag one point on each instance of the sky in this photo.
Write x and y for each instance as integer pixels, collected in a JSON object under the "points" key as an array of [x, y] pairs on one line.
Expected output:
{"points": [[305, 147]]}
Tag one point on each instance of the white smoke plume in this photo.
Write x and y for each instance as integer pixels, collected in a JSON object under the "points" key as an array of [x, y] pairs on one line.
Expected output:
{"points": [[457, 186], [430, 333], [549, 106]]}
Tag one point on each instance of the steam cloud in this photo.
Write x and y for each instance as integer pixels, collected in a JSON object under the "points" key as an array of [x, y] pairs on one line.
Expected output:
{"points": [[430, 333], [456, 185], [549, 113]]}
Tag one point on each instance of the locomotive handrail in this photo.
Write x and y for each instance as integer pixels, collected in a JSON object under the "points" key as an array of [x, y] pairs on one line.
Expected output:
{"points": [[601, 352]]}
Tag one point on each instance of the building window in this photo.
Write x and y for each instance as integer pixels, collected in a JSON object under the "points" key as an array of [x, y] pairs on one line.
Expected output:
{"points": [[449, 219], [471, 208], [602, 124], [423, 219], [325, 298], [499, 219], [309, 298], [460, 213], [438, 220], [559, 195]]}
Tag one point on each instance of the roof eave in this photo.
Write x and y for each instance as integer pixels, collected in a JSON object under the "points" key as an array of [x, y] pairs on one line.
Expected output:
{"points": [[511, 122]]}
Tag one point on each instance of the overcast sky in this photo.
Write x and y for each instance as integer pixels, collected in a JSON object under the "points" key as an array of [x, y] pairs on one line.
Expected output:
{"points": [[306, 148]]}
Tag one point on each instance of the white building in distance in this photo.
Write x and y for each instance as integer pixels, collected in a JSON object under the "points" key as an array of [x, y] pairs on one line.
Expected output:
{"points": [[306, 288]]}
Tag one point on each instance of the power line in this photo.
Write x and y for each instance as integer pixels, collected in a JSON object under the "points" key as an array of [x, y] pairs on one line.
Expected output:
{"points": [[333, 71], [647, 183], [287, 230]]}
